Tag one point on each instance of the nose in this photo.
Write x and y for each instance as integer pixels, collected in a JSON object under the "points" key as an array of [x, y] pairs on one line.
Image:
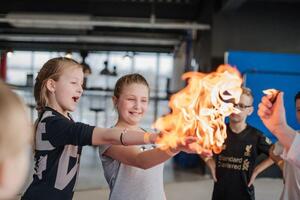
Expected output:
{"points": [[80, 89], [137, 105]]}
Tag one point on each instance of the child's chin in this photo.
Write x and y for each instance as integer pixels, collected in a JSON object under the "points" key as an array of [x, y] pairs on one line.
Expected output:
{"points": [[135, 121], [71, 109]]}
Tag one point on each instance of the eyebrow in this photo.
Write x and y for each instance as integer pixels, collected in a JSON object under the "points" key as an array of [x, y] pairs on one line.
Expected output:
{"points": [[76, 78], [132, 95]]}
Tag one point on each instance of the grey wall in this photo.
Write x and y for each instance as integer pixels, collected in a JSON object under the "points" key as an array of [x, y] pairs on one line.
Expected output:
{"points": [[265, 29]]}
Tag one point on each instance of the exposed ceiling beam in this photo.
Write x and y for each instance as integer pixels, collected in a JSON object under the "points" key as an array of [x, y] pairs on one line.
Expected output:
{"points": [[25, 46], [57, 21], [89, 39]]}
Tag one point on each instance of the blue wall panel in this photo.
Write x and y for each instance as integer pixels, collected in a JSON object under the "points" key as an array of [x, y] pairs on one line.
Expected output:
{"points": [[268, 70], [255, 61]]}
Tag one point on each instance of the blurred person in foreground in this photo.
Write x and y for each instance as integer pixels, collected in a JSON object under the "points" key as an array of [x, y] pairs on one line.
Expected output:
{"points": [[15, 137]]}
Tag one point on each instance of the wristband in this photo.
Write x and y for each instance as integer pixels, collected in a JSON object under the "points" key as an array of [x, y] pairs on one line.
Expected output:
{"points": [[124, 131]]}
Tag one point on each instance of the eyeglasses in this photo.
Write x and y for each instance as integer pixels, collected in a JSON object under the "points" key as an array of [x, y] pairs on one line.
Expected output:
{"points": [[242, 106]]}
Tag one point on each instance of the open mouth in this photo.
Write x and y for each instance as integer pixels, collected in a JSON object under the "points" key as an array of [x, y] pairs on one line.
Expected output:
{"points": [[75, 99]]}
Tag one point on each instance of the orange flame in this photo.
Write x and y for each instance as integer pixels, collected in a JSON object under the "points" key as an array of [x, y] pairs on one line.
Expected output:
{"points": [[200, 109]]}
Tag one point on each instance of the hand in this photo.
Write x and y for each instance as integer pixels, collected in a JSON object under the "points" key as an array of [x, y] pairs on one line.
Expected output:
{"points": [[272, 115], [190, 145], [253, 177], [185, 144]]}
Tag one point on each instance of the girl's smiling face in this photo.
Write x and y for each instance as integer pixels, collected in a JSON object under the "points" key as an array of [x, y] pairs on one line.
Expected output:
{"points": [[132, 103]]}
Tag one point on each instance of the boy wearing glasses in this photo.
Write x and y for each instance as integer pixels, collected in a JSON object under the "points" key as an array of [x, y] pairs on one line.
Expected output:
{"points": [[233, 167]]}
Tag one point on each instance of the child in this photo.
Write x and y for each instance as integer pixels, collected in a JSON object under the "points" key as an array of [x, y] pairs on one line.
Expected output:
{"points": [[15, 132], [58, 139], [233, 167], [134, 172]]}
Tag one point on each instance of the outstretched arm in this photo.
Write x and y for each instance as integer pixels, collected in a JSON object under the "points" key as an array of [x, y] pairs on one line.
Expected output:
{"points": [[146, 159], [122, 136], [133, 156]]}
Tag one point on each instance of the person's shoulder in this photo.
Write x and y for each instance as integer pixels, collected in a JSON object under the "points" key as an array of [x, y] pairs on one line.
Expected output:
{"points": [[47, 114], [254, 130], [50, 116], [260, 135]]}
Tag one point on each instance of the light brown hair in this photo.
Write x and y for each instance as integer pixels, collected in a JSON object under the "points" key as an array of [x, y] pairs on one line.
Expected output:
{"points": [[15, 128], [127, 80], [247, 91], [52, 69]]}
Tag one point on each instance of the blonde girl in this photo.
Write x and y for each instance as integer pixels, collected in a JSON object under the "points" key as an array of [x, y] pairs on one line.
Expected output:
{"points": [[135, 172], [58, 139]]}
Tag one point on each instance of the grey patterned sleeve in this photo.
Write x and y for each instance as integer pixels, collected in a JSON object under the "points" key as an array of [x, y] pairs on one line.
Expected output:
{"points": [[103, 148]]}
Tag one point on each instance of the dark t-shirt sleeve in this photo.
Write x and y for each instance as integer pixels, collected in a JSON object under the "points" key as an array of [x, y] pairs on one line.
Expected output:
{"points": [[61, 131], [264, 144]]}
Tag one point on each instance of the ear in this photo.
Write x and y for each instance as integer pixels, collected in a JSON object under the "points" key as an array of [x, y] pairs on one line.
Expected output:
{"points": [[114, 100], [250, 111], [50, 84]]}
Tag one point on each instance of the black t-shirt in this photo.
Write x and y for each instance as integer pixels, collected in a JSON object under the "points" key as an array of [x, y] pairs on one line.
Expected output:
{"points": [[235, 164], [58, 144]]}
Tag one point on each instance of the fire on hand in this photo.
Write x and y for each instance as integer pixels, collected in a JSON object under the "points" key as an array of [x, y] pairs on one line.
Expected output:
{"points": [[200, 109]]}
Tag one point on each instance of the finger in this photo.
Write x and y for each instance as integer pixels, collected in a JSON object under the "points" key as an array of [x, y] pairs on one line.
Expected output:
{"points": [[279, 99], [215, 179], [250, 183], [214, 175], [266, 101], [263, 115], [263, 111]]}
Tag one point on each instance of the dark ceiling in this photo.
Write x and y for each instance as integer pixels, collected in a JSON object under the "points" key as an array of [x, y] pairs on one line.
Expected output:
{"points": [[137, 25]]}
